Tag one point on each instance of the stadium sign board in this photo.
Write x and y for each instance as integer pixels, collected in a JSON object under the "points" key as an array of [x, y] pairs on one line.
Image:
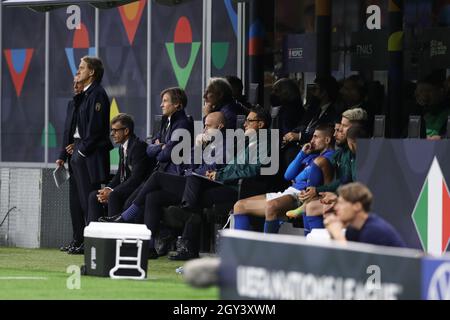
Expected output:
{"points": [[283, 267]]}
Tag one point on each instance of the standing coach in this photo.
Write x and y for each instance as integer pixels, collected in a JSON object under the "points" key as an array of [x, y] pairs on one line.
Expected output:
{"points": [[89, 160]]}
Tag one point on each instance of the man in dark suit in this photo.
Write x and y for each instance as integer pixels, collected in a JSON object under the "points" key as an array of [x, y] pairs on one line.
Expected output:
{"points": [[175, 120], [320, 110], [65, 155], [134, 168], [89, 152]]}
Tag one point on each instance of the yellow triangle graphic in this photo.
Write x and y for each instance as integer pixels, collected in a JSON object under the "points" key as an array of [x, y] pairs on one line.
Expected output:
{"points": [[114, 153], [114, 110]]}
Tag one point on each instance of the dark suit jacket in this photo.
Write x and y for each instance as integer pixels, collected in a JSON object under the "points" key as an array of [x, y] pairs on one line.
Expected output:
{"points": [[93, 126], [68, 128], [179, 120], [313, 119], [137, 166]]}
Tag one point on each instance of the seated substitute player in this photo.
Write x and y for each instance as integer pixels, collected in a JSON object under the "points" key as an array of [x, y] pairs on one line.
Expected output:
{"points": [[311, 167]]}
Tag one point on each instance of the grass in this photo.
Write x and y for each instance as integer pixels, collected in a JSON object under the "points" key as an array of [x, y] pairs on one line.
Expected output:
{"points": [[48, 269]]}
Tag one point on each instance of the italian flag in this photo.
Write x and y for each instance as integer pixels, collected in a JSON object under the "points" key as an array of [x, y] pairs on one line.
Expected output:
{"points": [[432, 212]]}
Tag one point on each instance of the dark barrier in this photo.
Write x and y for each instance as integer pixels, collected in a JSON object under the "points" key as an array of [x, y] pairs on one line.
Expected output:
{"points": [[282, 267], [409, 191]]}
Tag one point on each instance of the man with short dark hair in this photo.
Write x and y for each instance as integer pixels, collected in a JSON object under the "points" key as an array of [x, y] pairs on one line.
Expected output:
{"points": [[352, 212], [311, 167], [344, 165], [164, 189], [343, 158], [134, 168], [89, 152], [320, 110]]}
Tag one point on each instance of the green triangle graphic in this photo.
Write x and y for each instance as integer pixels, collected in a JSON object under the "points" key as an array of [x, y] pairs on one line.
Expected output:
{"points": [[51, 136], [182, 74], [420, 216], [219, 54], [114, 156]]}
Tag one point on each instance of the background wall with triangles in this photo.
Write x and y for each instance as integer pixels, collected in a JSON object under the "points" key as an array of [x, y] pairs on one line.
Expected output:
{"points": [[175, 60]]}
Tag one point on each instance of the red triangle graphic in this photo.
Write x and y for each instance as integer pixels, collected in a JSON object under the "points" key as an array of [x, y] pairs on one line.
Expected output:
{"points": [[131, 15], [81, 37], [18, 77]]}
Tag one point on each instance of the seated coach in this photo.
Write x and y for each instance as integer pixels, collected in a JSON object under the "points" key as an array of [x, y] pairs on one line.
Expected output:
{"points": [[134, 168]]}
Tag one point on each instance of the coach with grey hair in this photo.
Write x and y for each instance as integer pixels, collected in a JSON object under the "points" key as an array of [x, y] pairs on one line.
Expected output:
{"points": [[219, 97], [89, 150]]}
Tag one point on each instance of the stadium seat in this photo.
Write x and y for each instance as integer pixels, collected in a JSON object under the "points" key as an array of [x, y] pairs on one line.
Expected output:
{"points": [[448, 128], [415, 127], [379, 126], [253, 93], [275, 117], [240, 120]]}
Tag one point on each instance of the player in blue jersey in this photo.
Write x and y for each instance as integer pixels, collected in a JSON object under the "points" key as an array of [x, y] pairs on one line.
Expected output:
{"points": [[311, 167]]}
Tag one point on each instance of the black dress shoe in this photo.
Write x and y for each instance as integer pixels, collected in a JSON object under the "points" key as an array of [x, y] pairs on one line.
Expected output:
{"points": [[185, 251], [152, 254], [68, 246], [77, 250], [163, 243], [116, 218]]}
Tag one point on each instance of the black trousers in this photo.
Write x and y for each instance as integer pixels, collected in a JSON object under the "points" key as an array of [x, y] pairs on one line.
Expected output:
{"points": [[116, 205], [199, 194], [76, 215], [159, 180], [159, 191], [80, 189]]}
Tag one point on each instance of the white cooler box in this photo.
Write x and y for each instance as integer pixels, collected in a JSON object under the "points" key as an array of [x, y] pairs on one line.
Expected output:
{"points": [[118, 250]]}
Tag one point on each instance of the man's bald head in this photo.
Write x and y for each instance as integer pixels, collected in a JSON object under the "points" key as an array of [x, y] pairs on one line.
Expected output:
{"points": [[215, 120]]}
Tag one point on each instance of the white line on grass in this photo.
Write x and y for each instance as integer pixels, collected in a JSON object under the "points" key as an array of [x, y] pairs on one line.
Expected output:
{"points": [[23, 278]]}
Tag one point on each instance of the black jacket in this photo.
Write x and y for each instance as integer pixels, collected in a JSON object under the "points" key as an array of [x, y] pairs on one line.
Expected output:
{"points": [[93, 126], [69, 128], [312, 119], [179, 120], [137, 167]]}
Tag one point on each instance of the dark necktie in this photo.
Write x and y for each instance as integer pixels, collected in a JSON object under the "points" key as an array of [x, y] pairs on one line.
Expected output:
{"points": [[166, 132], [123, 172]]}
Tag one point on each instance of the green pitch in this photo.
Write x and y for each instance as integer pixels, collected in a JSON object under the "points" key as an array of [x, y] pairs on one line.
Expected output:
{"points": [[41, 274]]}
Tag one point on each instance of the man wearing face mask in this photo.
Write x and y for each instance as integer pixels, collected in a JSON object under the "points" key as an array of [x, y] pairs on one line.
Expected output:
{"points": [[320, 110]]}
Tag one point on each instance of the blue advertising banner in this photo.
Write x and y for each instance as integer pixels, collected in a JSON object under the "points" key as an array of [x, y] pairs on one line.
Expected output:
{"points": [[177, 53], [123, 49], [299, 52], [284, 267], [68, 44], [369, 50], [408, 179], [22, 91], [224, 38], [435, 279]]}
